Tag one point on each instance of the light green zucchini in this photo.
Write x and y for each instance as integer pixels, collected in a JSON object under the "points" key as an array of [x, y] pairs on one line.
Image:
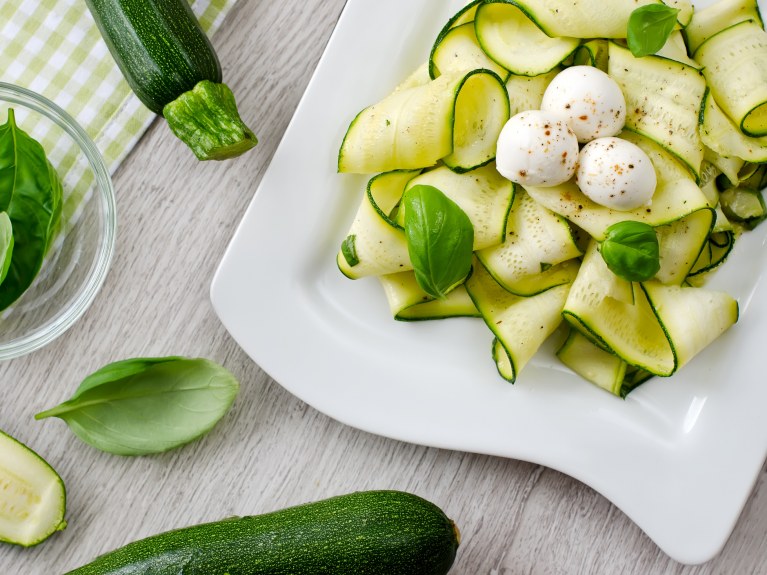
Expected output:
{"points": [[663, 102], [629, 330], [515, 42], [536, 241], [32, 495], [591, 18], [418, 126], [718, 16], [520, 324], [526, 92], [723, 137], [592, 363], [375, 244], [592, 53], [459, 51], [464, 16], [734, 62], [408, 302], [483, 194]]}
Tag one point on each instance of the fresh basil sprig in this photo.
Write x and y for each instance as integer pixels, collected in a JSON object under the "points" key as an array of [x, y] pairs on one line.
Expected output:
{"points": [[631, 251], [31, 195], [649, 28], [148, 405], [440, 239], [6, 244]]}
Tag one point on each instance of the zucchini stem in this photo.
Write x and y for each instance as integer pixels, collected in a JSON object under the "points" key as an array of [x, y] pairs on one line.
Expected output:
{"points": [[206, 119]]}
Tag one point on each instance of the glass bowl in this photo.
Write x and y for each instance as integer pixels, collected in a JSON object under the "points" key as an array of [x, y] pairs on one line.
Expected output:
{"points": [[78, 259]]}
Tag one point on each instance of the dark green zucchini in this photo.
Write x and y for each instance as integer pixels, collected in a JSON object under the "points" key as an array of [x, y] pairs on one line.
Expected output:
{"points": [[365, 533], [172, 67]]}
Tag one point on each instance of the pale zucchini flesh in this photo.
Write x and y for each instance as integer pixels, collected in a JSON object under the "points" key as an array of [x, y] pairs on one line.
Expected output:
{"points": [[521, 324], [378, 243], [734, 62], [516, 43], [722, 135], [32, 495], [459, 51], [716, 17], [663, 102], [408, 302], [592, 363], [591, 18], [483, 194]]}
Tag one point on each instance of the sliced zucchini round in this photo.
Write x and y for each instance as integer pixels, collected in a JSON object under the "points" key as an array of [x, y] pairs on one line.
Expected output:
{"points": [[32, 495]]}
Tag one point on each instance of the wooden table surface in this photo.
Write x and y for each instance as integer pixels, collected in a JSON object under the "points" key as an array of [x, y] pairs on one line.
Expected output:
{"points": [[176, 216]]}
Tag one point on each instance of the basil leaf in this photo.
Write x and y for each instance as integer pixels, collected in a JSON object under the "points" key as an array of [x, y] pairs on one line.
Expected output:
{"points": [[31, 195], [148, 405], [349, 250], [649, 28], [630, 249], [6, 244], [440, 239]]}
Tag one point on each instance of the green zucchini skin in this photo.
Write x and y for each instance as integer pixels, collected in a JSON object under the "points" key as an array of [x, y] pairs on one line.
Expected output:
{"points": [[158, 45], [364, 533]]}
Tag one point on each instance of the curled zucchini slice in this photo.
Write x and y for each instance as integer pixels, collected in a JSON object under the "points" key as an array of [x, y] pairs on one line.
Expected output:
{"points": [[734, 62], [723, 137], [591, 18], [520, 324], [536, 241], [457, 117], [408, 302], [459, 51], [516, 42], [718, 16], [663, 102]]}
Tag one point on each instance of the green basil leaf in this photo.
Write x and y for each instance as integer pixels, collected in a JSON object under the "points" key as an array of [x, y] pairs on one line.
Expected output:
{"points": [[31, 195], [649, 28], [148, 405], [631, 251], [440, 239], [6, 244], [349, 250]]}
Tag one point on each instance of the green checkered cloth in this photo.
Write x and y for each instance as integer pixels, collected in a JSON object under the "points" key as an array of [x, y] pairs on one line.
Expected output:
{"points": [[53, 47]]}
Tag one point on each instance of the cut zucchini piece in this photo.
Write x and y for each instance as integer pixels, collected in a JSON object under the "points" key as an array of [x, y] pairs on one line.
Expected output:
{"points": [[375, 244], [526, 92], [734, 62], [629, 330], [515, 41], [481, 111], [463, 16], [591, 18], [681, 243], [521, 324], [592, 53], [744, 206], [723, 137], [691, 317], [459, 51], [592, 363], [716, 17], [416, 127], [536, 240], [714, 253], [483, 194], [663, 102], [675, 49], [408, 302], [32, 495]]}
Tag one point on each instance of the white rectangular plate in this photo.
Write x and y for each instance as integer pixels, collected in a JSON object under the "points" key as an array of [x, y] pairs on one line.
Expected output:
{"points": [[679, 456]]}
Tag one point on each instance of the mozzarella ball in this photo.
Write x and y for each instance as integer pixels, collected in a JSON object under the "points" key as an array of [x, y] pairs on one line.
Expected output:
{"points": [[616, 174], [590, 99], [537, 148]]}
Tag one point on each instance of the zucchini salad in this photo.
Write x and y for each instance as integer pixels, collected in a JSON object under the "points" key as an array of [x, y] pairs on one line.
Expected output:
{"points": [[583, 164]]}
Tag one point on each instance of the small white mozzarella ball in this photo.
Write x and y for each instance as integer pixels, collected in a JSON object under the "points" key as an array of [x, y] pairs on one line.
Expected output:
{"points": [[616, 174], [590, 99], [537, 148]]}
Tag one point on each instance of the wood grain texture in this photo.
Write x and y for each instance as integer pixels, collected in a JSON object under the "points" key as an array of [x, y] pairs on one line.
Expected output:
{"points": [[176, 217]]}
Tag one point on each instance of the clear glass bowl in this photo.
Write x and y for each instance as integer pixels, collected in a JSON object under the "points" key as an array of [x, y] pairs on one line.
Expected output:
{"points": [[77, 262]]}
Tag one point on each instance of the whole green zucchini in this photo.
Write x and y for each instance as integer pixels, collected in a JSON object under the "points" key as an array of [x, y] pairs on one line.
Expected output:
{"points": [[172, 67], [365, 533]]}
